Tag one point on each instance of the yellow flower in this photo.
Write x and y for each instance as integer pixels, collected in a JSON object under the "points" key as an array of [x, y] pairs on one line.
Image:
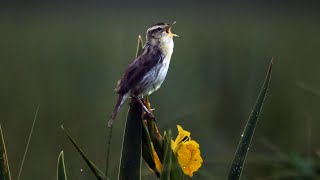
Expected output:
{"points": [[187, 152]]}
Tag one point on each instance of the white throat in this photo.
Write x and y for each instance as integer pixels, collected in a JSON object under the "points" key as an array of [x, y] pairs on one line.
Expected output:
{"points": [[166, 45]]}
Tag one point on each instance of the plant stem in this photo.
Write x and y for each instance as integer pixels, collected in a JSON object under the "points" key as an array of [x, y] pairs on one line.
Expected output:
{"points": [[29, 139]]}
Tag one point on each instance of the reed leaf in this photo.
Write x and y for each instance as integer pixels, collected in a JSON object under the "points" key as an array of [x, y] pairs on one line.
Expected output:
{"points": [[130, 162], [28, 142], [244, 144], [156, 140], [147, 152], [176, 171], [95, 170], [4, 164], [167, 161], [61, 169]]}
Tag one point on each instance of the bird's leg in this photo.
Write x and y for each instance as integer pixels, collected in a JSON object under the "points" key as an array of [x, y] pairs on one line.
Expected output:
{"points": [[148, 105], [144, 107]]}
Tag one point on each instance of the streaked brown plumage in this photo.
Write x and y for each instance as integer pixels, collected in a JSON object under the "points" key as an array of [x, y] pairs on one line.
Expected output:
{"points": [[147, 72]]}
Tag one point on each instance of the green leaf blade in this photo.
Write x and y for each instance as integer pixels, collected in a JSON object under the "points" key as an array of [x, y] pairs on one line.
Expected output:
{"points": [[244, 144], [95, 170], [176, 171], [130, 162], [147, 152], [156, 141], [4, 164], [167, 162], [61, 169]]}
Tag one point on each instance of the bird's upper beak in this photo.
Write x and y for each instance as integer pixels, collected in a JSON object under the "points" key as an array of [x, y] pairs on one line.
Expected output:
{"points": [[168, 30]]}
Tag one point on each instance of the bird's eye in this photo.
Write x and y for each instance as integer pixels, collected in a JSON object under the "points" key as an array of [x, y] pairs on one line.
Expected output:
{"points": [[159, 29]]}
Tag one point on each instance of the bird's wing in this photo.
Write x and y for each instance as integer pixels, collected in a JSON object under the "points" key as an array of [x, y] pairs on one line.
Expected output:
{"points": [[147, 60]]}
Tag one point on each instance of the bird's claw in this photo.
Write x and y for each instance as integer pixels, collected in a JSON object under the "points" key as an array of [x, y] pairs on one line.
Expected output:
{"points": [[148, 113]]}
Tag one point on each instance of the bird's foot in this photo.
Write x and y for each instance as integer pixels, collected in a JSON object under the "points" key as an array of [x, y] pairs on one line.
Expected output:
{"points": [[149, 115], [148, 112], [146, 108]]}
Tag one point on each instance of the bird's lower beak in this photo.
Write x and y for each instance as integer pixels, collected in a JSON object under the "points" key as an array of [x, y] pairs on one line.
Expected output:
{"points": [[168, 30]]}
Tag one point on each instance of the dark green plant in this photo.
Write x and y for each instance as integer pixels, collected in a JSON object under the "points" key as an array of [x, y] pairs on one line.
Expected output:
{"points": [[130, 165]]}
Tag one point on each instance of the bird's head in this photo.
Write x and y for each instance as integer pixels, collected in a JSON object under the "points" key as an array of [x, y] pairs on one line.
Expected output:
{"points": [[160, 33]]}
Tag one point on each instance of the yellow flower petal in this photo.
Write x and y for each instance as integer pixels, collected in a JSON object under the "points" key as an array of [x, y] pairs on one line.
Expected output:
{"points": [[187, 152], [182, 136], [191, 145], [184, 132], [156, 160], [184, 155]]}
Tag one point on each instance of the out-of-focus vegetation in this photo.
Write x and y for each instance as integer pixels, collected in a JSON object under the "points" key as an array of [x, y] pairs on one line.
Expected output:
{"points": [[69, 57]]}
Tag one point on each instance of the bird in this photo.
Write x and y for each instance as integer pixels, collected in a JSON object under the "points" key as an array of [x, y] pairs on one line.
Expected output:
{"points": [[146, 73]]}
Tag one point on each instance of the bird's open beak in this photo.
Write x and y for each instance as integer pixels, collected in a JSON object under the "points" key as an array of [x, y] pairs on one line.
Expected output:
{"points": [[168, 30]]}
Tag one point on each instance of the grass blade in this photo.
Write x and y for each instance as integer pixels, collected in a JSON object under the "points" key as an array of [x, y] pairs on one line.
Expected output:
{"points": [[139, 46], [130, 162], [243, 147], [156, 138], [109, 138], [29, 139], [61, 169], [167, 162], [95, 170], [4, 164], [147, 153]]}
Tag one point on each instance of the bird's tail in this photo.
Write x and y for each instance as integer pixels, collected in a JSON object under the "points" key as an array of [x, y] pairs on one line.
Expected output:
{"points": [[120, 100]]}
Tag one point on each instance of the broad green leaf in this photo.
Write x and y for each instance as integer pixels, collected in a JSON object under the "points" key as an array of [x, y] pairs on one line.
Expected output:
{"points": [[61, 169], [167, 161], [244, 144], [4, 164], [130, 162], [95, 170]]}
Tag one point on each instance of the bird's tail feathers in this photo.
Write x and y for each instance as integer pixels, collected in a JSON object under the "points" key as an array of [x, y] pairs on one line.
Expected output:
{"points": [[120, 100]]}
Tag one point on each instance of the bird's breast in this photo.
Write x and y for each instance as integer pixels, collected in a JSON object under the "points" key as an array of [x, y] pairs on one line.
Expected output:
{"points": [[157, 75], [162, 72]]}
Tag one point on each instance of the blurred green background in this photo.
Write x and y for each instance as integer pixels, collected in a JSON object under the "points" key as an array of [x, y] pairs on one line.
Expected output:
{"points": [[69, 56]]}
